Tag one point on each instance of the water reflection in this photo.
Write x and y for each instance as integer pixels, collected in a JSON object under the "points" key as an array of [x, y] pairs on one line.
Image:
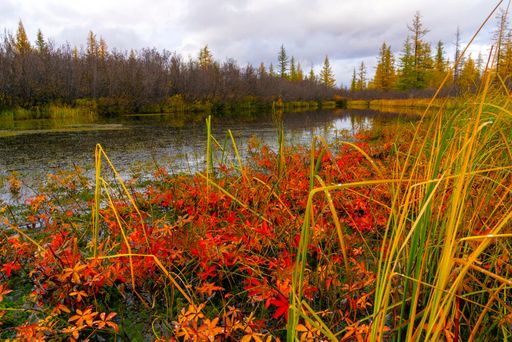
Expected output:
{"points": [[46, 146]]}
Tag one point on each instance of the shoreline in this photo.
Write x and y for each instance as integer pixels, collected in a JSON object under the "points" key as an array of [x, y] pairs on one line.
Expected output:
{"points": [[412, 103]]}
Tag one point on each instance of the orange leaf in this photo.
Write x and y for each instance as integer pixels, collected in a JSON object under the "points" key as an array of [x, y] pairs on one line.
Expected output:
{"points": [[3, 291]]}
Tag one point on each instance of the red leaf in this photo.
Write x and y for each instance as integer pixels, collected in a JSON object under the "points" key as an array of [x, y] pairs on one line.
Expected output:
{"points": [[282, 306], [9, 267]]}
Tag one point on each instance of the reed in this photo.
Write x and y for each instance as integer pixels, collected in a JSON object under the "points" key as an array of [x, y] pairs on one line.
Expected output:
{"points": [[440, 273], [451, 214], [105, 194]]}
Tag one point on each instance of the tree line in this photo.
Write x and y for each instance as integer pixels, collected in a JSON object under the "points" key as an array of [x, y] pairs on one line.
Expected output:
{"points": [[419, 70], [42, 73]]}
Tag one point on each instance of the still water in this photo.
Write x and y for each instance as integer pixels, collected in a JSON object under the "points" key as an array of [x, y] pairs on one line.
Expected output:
{"points": [[34, 149]]}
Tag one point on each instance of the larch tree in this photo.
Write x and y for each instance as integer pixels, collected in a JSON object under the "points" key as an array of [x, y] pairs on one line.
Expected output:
{"points": [[293, 69], [102, 70], [506, 62], [271, 71], [92, 45], [480, 63], [385, 76], [22, 42], [92, 64], [440, 66], [503, 43], [500, 39], [469, 76], [75, 54], [379, 76], [22, 65], [282, 59], [457, 64], [205, 57], [361, 77], [300, 72], [326, 74], [262, 71], [353, 83], [118, 82], [102, 49]]}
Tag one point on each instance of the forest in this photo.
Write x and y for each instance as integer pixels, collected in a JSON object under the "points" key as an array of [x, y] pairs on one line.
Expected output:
{"points": [[145, 81], [420, 69]]}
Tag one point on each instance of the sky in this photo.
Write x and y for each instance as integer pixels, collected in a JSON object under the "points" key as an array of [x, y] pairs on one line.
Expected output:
{"points": [[252, 31]]}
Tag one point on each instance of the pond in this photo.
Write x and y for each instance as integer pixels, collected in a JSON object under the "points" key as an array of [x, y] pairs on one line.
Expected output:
{"points": [[35, 148]]}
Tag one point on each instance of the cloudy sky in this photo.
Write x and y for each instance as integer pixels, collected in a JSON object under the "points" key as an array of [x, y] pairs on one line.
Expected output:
{"points": [[252, 31]]}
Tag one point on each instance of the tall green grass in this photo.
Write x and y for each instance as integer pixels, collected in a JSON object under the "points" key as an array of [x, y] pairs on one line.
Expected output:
{"points": [[107, 193], [452, 214], [444, 267], [440, 273]]}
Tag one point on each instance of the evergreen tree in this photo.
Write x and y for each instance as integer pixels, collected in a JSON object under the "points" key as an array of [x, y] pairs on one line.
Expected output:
{"points": [[312, 76], [361, 77], [353, 83], [41, 45], [390, 69], [271, 70], [440, 64], [425, 68], [282, 58], [326, 74], [406, 76], [422, 60]]}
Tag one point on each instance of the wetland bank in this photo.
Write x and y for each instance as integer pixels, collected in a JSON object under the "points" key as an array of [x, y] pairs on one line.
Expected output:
{"points": [[35, 148]]}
